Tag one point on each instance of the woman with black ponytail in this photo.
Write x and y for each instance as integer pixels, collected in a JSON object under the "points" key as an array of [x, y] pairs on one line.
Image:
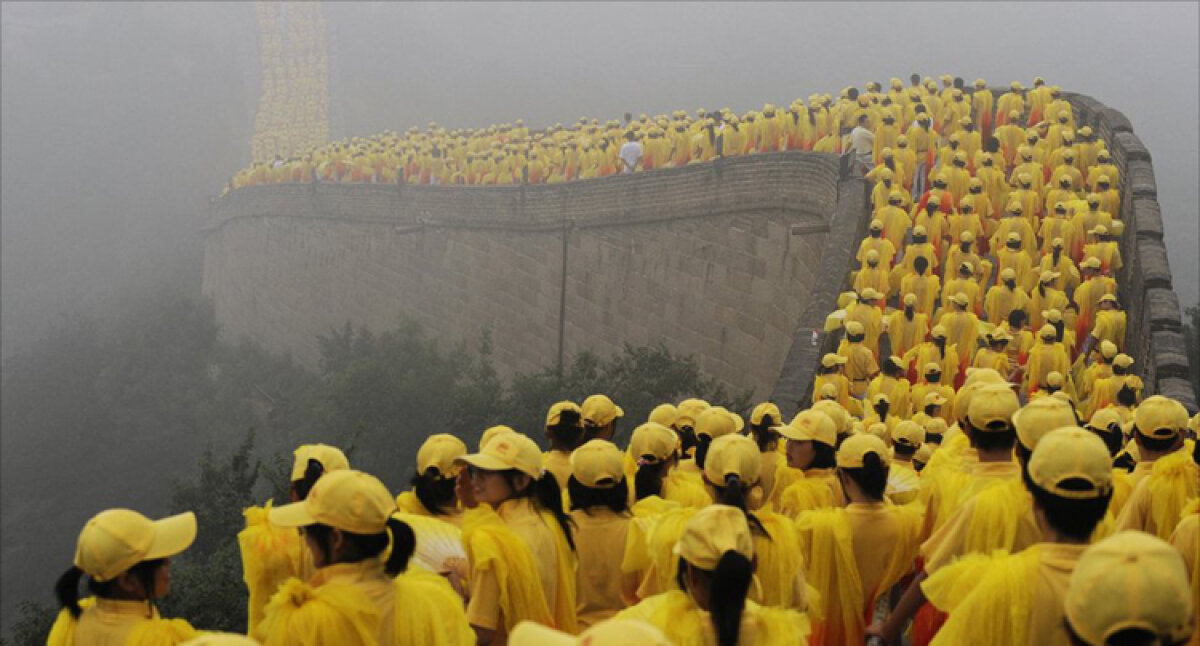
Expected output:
{"points": [[434, 482], [271, 554], [359, 592], [654, 450], [126, 559], [716, 559], [776, 474], [811, 447], [841, 546], [518, 540], [564, 428]]}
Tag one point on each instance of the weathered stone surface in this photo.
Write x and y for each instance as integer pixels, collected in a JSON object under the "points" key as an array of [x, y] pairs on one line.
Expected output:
{"points": [[1161, 306], [1133, 147], [1147, 215], [1156, 271], [1116, 120], [1180, 390], [1140, 179]]}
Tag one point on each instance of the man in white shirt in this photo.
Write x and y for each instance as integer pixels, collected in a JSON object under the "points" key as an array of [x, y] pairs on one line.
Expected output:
{"points": [[862, 142], [630, 153]]}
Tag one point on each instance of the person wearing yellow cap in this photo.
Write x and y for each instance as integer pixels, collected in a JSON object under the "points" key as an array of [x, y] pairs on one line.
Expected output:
{"points": [[811, 440], [1130, 588], [434, 482], [907, 440], [881, 412], [831, 372], [716, 568], [655, 451], [894, 217], [931, 217], [1166, 477], [517, 538], [1087, 296], [126, 559], [935, 351], [906, 327], [1015, 255], [964, 283], [1004, 297], [600, 417], [775, 475], [1109, 325], [564, 428], [1102, 243], [1103, 168], [1122, 390], [962, 330], [930, 398], [272, 554], [610, 632], [872, 277], [877, 243], [1085, 221], [1020, 598], [892, 383], [920, 281], [861, 366], [995, 355], [840, 546], [359, 548], [1049, 354], [599, 497], [1099, 367], [1046, 297]]}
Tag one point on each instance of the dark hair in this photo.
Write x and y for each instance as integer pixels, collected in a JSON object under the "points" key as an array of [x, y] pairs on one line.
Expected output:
{"points": [[991, 440], [568, 431], [882, 413], [1072, 517], [359, 547], [687, 438], [891, 368], [66, 589], [992, 145], [584, 497], [435, 492], [592, 431], [920, 263], [733, 493], [763, 435], [1156, 444], [312, 473], [903, 450], [871, 477], [728, 585], [545, 494], [1127, 637], [648, 481], [824, 456], [1017, 318], [1126, 395], [701, 454], [1112, 438], [856, 338]]}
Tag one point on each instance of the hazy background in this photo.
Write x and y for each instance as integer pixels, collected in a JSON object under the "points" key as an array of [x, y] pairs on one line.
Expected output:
{"points": [[119, 121]]}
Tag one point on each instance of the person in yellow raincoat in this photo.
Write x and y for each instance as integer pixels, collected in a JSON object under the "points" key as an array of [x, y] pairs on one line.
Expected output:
{"points": [[872, 276], [840, 545], [895, 219], [965, 253], [1102, 244], [982, 107], [433, 483], [936, 351], [1004, 297], [877, 243], [831, 372], [966, 220], [126, 559], [861, 366], [962, 330], [995, 355], [906, 327], [1103, 168], [1055, 226], [1014, 224], [931, 398], [966, 284], [1086, 221], [716, 568], [360, 550], [884, 178], [1099, 367], [517, 538], [891, 382], [1110, 324], [1045, 298], [922, 285], [1110, 198], [906, 159], [599, 495], [866, 312], [1048, 355], [811, 448], [1019, 598], [564, 429], [882, 412], [1010, 102], [654, 451], [1058, 262], [1087, 296]]}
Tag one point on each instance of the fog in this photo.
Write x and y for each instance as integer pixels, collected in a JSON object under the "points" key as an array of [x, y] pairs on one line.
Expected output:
{"points": [[120, 121]]}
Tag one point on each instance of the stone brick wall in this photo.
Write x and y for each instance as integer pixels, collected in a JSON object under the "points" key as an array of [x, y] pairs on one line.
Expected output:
{"points": [[718, 260], [1154, 336]]}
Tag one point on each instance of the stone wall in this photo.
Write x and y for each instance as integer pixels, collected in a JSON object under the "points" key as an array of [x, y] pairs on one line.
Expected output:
{"points": [[1154, 336], [716, 260]]}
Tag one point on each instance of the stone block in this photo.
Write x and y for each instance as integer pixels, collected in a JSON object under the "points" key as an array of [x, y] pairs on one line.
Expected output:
{"points": [[1181, 390], [1161, 307], [1156, 271], [1148, 220], [1140, 179], [1134, 149], [1115, 120]]}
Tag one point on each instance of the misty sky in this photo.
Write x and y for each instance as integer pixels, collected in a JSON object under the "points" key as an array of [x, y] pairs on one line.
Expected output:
{"points": [[120, 120]]}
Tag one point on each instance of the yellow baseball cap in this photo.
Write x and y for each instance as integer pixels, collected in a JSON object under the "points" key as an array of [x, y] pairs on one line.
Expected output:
{"points": [[733, 455], [960, 298], [935, 426], [830, 360], [664, 414], [598, 464], [836, 412], [612, 632], [1071, 454], [932, 367], [881, 398], [330, 458], [739, 424], [1052, 315], [1091, 262], [856, 447], [655, 440], [599, 410], [713, 531], [491, 432], [220, 639], [715, 422], [555, 414], [1160, 417], [910, 299], [1039, 417], [115, 540], [764, 410], [1122, 361], [1130, 580], [966, 236], [1108, 349], [439, 452], [870, 294], [923, 454], [689, 411], [1108, 298], [878, 429], [829, 391], [349, 500], [810, 424], [1104, 418], [507, 451], [1048, 332], [1054, 378], [910, 433], [938, 332], [992, 408], [854, 328]]}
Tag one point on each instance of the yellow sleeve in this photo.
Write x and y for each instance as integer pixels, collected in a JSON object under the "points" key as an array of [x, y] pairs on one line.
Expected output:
{"points": [[493, 548], [996, 611], [270, 556], [161, 632], [429, 611], [330, 614], [62, 633], [826, 544]]}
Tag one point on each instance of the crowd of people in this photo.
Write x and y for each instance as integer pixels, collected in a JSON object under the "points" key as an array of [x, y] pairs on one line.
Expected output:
{"points": [[977, 464]]}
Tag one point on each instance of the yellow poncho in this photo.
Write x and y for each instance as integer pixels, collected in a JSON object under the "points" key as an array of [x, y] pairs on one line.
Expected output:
{"points": [[303, 615], [988, 598], [429, 612], [154, 631], [270, 556], [685, 624]]}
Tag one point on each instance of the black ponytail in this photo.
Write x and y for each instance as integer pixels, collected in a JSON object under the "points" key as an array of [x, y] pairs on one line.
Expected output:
{"points": [[583, 497], [871, 477], [648, 481], [547, 495], [728, 586], [404, 543], [435, 492], [733, 494], [702, 444], [66, 590], [568, 432], [312, 473], [763, 436]]}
